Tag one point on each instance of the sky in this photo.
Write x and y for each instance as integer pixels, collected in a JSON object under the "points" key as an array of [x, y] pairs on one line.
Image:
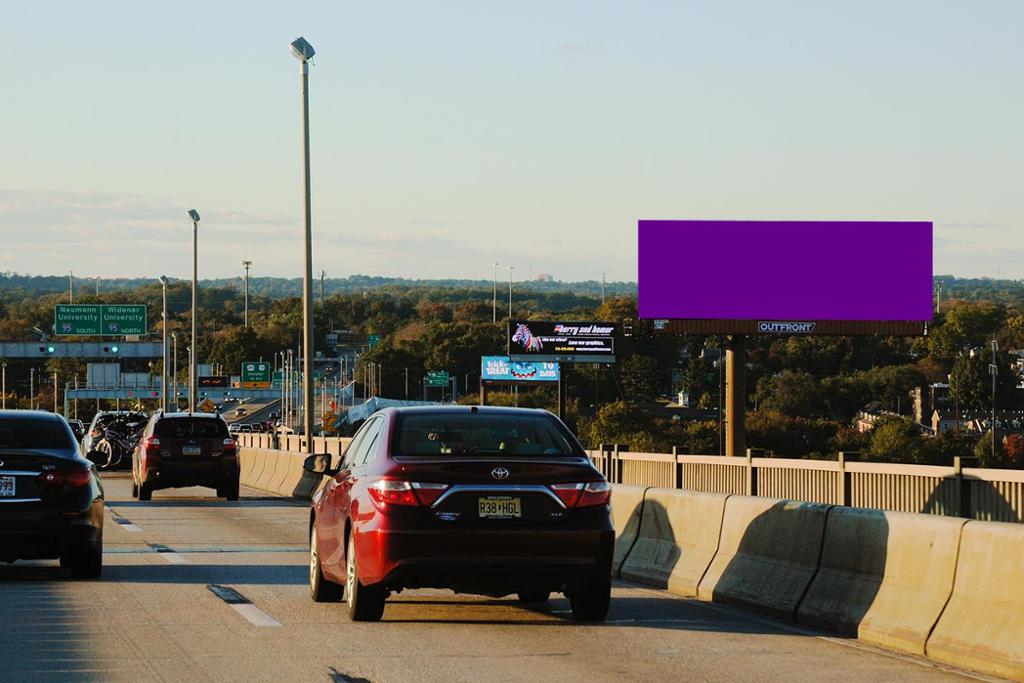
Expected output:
{"points": [[447, 136]]}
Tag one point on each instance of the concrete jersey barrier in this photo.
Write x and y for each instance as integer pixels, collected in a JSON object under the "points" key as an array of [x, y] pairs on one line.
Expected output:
{"points": [[627, 506], [678, 538], [767, 556], [982, 626], [884, 576]]}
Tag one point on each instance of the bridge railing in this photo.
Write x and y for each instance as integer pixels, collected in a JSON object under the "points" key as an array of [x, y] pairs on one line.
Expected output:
{"points": [[975, 493]]}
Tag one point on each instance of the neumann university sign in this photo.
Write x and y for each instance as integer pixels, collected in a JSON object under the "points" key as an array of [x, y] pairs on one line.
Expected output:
{"points": [[772, 327], [100, 319]]}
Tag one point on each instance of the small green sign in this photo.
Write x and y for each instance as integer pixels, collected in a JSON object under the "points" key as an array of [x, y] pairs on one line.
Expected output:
{"points": [[100, 319], [438, 378], [372, 340]]}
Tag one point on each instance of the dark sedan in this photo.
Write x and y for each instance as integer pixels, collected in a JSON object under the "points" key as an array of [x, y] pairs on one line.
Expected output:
{"points": [[51, 501], [491, 501]]}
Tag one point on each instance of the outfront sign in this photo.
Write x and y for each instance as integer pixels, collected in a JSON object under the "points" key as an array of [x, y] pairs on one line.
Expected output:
{"points": [[503, 369], [100, 319], [572, 342]]}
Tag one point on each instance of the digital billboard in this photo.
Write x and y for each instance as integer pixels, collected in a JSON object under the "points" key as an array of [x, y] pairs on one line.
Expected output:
{"points": [[571, 342], [504, 369], [786, 275]]}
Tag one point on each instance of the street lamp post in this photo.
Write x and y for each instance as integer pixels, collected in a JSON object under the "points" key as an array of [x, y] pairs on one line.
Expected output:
{"points": [[494, 301], [247, 264], [510, 269], [303, 51], [163, 349], [174, 389], [194, 353], [3, 390]]}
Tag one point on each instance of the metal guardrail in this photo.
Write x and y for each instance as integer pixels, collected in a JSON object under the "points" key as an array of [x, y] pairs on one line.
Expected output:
{"points": [[974, 493]]}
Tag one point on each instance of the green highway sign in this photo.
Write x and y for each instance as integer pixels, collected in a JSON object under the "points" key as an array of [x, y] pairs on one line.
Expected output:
{"points": [[372, 340], [255, 375], [438, 378], [100, 319]]}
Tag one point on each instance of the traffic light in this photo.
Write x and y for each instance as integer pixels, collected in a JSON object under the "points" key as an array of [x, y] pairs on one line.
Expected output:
{"points": [[47, 349], [109, 349]]}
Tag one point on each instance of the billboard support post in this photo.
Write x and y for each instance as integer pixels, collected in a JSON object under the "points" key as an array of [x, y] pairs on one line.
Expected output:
{"points": [[735, 395]]}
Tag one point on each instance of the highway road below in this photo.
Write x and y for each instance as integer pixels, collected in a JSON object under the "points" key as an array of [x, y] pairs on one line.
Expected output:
{"points": [[152, 616]]}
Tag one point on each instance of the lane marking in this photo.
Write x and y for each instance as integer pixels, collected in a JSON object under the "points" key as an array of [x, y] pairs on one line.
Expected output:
{"points": [[171, 556], [242, 605], [124, 523], [255, 615], [205, 549]]}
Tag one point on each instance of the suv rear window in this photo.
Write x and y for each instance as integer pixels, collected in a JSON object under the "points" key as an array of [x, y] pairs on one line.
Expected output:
{"points": [[481, 434], [190, 428], [21, 433]]}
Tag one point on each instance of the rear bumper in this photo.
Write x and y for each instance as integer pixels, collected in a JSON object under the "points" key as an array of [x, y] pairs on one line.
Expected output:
{"points": [[162, 474], [35, 533], [488, 561]]}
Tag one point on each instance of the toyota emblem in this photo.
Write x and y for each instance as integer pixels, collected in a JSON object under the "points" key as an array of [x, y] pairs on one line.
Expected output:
{"points": [[500, 473]]}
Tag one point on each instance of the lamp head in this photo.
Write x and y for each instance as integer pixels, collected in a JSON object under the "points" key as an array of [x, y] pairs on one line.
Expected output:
{"points": [[163, 280], [302, 49], [194, 215]]}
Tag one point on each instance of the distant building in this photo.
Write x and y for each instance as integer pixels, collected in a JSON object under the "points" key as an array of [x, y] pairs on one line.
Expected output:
{"points": [[543, 277], [1007, 421], [868, 416]]}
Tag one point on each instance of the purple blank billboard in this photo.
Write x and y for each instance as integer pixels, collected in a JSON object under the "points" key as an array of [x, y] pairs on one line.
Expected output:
{"points": [[785, 270]]}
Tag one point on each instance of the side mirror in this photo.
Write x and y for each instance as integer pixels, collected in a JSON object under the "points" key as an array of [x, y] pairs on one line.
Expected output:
{"points": [[319, 464]]}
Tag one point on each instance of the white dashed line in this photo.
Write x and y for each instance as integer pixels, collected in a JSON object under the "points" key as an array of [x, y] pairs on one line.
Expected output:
{"points": [[255, 615], [175, 558]]}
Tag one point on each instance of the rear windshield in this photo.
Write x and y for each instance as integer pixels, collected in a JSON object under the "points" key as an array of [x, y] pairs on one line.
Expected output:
{"points": [[481, 434], [190, 427], [51, 435]]}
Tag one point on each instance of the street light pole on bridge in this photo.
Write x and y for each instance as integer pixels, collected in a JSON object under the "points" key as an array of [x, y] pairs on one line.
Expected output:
{"points": [[303, 51], [194, 355]]}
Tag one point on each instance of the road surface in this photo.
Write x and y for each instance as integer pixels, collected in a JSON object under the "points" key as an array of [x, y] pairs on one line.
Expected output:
{"points": [[152, 617]]}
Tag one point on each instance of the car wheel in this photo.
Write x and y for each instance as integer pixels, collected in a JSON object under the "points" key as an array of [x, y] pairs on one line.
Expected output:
{"points": [[591, 604], [145, 491], [321, 589], [231, 490], [85, 562], [534, 595], [365, 603]]}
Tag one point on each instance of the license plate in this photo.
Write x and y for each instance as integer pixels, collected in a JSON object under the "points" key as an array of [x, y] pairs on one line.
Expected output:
{"points": [[191, 450], [6, 487], [500, 507]]}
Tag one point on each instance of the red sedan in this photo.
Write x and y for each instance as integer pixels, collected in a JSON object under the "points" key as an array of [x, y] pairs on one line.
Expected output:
{"points": [[490, 501]]}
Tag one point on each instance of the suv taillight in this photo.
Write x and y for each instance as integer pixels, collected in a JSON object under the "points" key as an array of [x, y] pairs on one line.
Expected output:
{"points": [[583, 494], [152, 446], [228, 447]]}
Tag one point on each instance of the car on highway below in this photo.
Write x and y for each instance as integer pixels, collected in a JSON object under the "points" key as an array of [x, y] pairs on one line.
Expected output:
{"points": [[51, 500], [241, 412], [185, 449], [490, 501]]}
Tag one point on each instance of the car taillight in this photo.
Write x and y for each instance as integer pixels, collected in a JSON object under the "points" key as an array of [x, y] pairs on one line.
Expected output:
{"points": [[228, 447], [152, 446], [427, 492], [53, 478], [584, 494], [385, 492]]}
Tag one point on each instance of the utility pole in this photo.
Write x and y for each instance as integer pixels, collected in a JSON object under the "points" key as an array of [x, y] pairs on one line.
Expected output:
{"points": [[246, 264], [494, 302], [194, 353], [174, 381], [510, 269], [3, 390], [602, 288], [71, 288], [97, 287], [54, 392], [323, 274], [994, 369], [32, 389]]}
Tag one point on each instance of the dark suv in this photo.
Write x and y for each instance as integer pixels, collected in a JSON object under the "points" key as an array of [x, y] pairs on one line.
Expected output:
{"points": [[185, 449]]}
